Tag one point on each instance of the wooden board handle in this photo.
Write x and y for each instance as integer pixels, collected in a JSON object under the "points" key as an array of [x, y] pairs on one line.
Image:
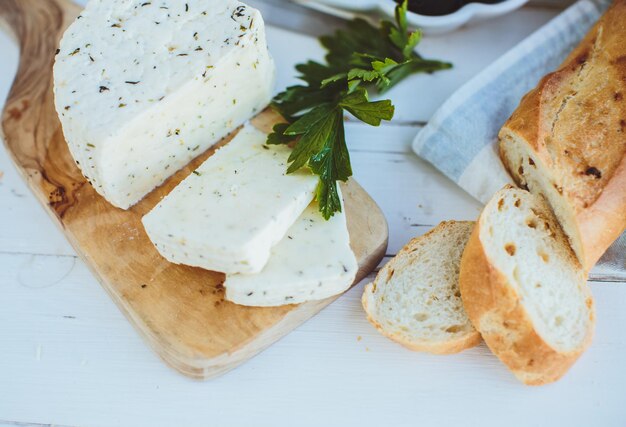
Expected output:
{"points": [[31, 22], [37, 26], [30, 129]]}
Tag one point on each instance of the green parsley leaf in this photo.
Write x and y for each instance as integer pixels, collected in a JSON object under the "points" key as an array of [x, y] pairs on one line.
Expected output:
{"points": [[332, 164], [399, 35], [372, 113], [316, 130], [278, 137], [358, 57]]}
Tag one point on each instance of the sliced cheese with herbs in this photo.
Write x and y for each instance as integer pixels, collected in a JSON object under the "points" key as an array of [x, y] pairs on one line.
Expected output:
{"points": [[227, 215], [144, 86], [314, 261]]}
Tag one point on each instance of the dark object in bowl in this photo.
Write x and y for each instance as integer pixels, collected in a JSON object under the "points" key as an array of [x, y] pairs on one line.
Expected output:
{"points": [[441, 7]]}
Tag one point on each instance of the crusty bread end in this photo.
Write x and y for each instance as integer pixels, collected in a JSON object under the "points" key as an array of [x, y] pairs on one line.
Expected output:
{"points": [[566, 140]]}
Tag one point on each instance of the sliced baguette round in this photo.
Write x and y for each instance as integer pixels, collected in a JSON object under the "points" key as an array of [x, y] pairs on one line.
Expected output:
{"points": [[525, 290], [415, 298]]}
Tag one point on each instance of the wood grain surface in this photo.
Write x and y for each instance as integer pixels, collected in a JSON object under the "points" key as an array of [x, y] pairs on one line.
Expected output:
{"points": [[179, 310]]}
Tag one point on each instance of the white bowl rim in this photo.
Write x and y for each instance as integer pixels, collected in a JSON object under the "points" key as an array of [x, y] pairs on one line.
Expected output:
{"points": [[464, 14]]}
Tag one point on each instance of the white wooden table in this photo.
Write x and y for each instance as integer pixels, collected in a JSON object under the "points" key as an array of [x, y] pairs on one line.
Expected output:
{"points": [[69, 357]]}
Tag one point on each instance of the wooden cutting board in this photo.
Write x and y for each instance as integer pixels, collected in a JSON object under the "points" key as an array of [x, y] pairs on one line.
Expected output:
{"points": [[180, 311]]}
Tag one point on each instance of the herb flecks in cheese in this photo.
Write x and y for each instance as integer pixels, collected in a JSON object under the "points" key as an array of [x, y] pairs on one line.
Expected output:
{"points": [[314, 261], [122, 82], [229, 213]]}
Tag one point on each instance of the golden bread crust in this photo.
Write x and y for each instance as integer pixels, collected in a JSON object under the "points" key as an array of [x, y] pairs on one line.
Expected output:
{"points": [[497, 312], [574, 123], [449, 347]]}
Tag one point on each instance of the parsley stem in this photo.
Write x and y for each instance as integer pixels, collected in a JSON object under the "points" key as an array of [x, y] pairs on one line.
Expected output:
{"points": [[359, 58]]}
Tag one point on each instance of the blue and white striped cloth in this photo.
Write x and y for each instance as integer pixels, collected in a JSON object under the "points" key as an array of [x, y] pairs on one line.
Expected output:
{"points": [[461, 138]]}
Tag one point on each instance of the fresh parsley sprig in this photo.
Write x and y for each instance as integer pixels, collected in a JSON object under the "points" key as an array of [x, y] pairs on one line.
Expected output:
{"points": [[358, 58]]}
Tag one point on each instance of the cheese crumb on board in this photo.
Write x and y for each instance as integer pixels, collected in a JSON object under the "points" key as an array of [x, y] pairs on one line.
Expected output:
{"points": [[314, 261], [142, 87], [227, 215]]}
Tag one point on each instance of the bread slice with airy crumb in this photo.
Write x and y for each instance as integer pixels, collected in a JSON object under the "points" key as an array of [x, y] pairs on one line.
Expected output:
{"points": [[525, 290], [415, 298]]}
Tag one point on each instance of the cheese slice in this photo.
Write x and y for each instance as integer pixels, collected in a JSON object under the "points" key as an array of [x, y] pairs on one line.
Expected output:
{"points": [[144, 86], [314, 261], [227, 215]]}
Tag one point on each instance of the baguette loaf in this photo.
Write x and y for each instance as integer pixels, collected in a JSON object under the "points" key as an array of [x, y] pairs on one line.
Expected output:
{"points": [[567, 139], [415, 298], [524, 289]]}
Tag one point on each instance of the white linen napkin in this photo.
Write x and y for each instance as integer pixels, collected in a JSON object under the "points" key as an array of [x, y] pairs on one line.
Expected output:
{"points": [[461, 138]]}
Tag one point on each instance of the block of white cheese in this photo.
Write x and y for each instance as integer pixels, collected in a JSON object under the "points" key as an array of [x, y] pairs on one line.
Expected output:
{"points": [[227, 215], [142, 87], [314, 261]]}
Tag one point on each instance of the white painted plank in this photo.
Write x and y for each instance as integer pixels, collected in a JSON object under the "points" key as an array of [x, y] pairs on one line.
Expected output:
{"points": [[24, 225], [23, 221], [21, 218], [9, 64], [69, 357], [411, 193]]}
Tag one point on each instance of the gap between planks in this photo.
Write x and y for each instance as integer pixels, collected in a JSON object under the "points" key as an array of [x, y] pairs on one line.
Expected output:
{"points": [[593, 278], [27, 424]]}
